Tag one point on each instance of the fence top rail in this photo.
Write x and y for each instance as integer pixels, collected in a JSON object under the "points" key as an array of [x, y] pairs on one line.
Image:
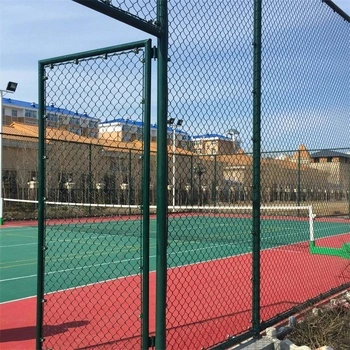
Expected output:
{"points": [[94, 53], [337, 9]]}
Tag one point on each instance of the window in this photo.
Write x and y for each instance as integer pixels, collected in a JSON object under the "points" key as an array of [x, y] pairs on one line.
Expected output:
{"points": [[30, 114], [74, 121], [14, 113], [52, 117], [329, 160], [93, 124]]}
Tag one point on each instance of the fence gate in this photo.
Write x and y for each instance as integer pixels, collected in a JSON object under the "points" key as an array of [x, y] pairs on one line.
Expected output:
{"points": [[93, 280]]}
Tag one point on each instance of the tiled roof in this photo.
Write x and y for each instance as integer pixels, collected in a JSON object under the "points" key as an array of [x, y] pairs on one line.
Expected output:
{"points": [[19, 131], [329, 153], [302, 153], [11, 133]]}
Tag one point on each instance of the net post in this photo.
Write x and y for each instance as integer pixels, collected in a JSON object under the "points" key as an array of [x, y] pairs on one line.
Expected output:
{"points": [[311, 221], [312, 232]]}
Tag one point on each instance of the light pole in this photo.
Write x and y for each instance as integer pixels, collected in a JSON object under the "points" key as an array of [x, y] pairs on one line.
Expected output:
{"points": [[174, 126], [236, 139], [11, 88]]}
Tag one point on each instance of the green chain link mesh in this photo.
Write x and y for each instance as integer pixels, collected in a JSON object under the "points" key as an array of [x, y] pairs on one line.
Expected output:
{"points": [[94, 146], [93, 174]]}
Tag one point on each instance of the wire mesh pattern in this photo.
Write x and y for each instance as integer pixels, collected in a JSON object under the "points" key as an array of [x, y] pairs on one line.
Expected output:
{"points": [[94, 134], [144, 10], [210, 78], [304, 106], [92, 233], [305, 102]]}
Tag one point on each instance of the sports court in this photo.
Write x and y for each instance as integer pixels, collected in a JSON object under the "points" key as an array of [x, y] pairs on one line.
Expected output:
{"points": [[90, 260]]}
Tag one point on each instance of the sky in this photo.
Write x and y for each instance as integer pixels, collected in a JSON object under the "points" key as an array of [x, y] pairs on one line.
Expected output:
{"points": [[31, 30]]}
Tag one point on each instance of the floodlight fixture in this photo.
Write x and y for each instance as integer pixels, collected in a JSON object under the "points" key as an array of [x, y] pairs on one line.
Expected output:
{"points": [[179, 122], [171, 121], [11, 86]]}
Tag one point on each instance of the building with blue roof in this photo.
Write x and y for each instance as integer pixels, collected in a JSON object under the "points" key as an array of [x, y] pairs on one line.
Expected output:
{"points": [[119, 129], [128, 130], [57, 117], [213, 144]]}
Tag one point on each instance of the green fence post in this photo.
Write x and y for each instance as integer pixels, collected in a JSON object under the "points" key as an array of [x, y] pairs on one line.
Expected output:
{"points": [[146, 196], [41, 211], [256, 168], [162, 175]]}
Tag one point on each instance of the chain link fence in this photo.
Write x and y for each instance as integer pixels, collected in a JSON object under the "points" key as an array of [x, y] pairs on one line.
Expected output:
{"points": [[110, 176], [304, 106], [92, 151]]}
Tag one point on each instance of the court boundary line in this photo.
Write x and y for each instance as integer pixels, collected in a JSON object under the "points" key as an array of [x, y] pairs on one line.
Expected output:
{"points": [[169, 268]]}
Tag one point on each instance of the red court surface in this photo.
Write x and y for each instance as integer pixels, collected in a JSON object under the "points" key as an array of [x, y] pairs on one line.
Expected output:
{"points": [[289, 275]]}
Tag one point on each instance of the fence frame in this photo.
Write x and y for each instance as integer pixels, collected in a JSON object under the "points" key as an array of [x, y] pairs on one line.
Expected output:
{"points": [[146, 45], [160, 30]]}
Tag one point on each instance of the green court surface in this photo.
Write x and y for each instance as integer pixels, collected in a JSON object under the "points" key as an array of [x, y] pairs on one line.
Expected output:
{"points": [[82, 253]]}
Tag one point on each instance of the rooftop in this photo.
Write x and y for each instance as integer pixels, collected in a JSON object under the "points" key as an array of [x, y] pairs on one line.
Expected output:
{"points": [[329, 153], [51, 108]]}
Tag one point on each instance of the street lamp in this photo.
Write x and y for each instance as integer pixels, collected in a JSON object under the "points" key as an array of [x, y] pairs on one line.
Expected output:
{"points": [[11, 88], [174, 126], [236, 139]]}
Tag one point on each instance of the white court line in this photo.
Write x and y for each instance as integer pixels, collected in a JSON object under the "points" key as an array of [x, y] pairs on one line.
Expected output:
{"points": [[112, 262], [151, 257], [17, 278], [17, 245], [14, 300], [5, 228]]}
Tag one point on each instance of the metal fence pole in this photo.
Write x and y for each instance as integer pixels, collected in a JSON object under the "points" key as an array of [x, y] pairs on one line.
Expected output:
{"points": [[162, 175], [146, 196], [41, 212], [256, 167]]}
